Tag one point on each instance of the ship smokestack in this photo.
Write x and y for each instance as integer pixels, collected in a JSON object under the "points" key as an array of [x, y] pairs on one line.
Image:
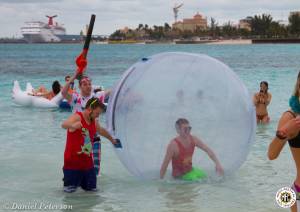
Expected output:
{"points": [[50, 19]]}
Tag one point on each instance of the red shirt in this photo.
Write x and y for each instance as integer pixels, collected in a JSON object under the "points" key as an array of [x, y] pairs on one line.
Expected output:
{"points": [[74, 158], [183, 162]]}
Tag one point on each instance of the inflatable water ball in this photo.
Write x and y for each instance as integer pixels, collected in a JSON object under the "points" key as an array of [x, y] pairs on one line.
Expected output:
{"points": [[156, 91]]}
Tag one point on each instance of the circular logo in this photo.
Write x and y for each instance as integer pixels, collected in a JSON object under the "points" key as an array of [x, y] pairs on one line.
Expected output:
{"points": [[285, 197]]}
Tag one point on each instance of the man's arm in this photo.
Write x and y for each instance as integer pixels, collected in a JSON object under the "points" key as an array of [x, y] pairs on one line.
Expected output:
{"points": [[102, 131], [210, 153], [72, 123], [168, 158], [65, 89]]}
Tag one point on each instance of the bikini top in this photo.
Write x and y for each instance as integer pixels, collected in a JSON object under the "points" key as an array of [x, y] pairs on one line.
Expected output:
{"points": [[294, 142]]}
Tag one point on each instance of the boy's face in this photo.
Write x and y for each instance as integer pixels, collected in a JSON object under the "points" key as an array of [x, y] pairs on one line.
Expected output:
{"points": [[184, 129], [86, 87], [95, 113]]}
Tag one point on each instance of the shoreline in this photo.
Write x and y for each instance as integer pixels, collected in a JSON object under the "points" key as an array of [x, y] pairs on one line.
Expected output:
{"points": [[231, 42], [172, 42]]}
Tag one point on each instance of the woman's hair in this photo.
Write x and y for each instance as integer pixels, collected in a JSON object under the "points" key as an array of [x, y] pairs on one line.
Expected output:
{"points": [[265, 83], [179, 122], [297, 86], [94, 103], [55, 87]]}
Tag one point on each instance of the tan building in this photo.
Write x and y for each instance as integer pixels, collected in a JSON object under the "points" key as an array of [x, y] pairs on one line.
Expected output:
{"points": [[244, 24], [191, 24], [124, 30], [295, 13]]}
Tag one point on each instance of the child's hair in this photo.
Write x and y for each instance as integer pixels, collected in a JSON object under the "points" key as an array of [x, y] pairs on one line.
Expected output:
{"points": [[67, 77], [94, 103], [179, 122]]}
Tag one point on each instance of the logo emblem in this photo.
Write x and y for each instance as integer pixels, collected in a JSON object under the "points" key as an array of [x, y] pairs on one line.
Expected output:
{"points": [[285, 197]]}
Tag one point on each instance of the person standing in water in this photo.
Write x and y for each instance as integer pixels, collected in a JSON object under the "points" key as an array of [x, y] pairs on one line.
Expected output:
{"points": [[78, 102], [180, 151], [288, 130], [78, 166], [261, 101]]}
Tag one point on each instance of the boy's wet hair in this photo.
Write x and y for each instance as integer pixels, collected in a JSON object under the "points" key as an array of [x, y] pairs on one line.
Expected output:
{"points": [[180, 121], [94, 103], [67, 77]]}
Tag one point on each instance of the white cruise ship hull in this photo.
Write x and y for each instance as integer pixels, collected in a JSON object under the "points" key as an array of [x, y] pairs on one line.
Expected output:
{"points": [[39, 32], [41, 38]]}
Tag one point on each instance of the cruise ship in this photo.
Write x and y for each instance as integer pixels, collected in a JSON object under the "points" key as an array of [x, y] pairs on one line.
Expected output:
{"points": [[40, 32]]}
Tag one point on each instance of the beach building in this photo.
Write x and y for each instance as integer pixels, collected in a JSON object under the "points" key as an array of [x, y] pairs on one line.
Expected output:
{"points": [[191, 24], [295, 13], [245, 24]]}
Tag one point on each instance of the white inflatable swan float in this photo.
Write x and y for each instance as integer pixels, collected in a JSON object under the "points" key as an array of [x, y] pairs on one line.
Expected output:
{"points": [[25, 99]]}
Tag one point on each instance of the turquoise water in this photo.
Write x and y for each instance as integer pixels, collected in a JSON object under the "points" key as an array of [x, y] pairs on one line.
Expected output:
{"points": [[32, 142]]}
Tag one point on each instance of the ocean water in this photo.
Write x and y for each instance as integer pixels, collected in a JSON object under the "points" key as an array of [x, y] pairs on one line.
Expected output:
{"points": [[32, 142]]}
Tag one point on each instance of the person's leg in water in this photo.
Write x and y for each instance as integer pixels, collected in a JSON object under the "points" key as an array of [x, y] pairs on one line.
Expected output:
{"points": [[266, 119], [89, 180], [72, 179]]}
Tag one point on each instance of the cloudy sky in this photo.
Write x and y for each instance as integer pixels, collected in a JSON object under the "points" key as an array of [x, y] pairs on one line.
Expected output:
{"points": [[114, 14]]}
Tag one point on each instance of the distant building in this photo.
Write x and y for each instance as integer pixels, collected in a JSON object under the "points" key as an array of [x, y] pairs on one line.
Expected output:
{"points": [[191, 24], [125, 30], [295, 13], [245, 24], [283, 22]]}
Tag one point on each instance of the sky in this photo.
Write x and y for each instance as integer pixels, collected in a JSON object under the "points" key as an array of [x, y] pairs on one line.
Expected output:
{"points": [[116, 14]]}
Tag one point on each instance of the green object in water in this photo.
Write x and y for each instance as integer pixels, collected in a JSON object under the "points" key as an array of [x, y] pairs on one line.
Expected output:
{"points": [[194, 174]]}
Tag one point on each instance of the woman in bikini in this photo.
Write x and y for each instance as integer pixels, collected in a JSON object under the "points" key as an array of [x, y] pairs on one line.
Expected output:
{"points": [[43, 92], [261, 100], [288, 130]]}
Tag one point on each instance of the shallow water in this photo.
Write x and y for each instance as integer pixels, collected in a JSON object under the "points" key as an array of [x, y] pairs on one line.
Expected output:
{"points": [[32, 142]]}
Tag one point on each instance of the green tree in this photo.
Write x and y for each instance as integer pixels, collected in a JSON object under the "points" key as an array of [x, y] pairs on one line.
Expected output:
{"points": [[260, 24], [229, 30], [117, 35], [213, 27], [294, 24], [167, 27], [140, 27]]}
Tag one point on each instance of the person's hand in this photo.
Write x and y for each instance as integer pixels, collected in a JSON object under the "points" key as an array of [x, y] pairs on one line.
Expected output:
{"points": [[81, 63], [291, 128], [113, 141], [219, 170], [77, 125], [117, 143]]}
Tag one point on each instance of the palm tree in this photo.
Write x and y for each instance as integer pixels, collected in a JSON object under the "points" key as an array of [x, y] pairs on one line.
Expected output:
{"points": [[261, 24], [213, 26], [167, 27], [141, 26]]}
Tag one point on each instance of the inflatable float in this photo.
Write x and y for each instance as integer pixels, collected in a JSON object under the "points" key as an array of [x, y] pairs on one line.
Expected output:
{"points": [[24, 98]]}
